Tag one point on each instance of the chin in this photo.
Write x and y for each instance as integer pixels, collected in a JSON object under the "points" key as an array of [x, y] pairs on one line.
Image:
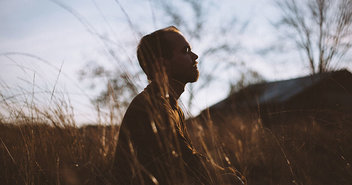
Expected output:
{"points": [[189, 77], [194, 77]]}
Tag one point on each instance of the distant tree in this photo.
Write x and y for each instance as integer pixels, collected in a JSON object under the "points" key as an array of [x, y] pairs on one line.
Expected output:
{"points": [[118, 88], [321, 29], [248, 77]]}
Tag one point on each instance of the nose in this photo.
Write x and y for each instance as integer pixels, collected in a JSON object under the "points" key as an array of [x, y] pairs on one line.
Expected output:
{"points": [[194, 56]]}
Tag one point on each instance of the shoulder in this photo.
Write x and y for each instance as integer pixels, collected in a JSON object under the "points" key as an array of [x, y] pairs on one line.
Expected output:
{"points": [[139, 104], [148, 101], [136, 117], [146, 106]]}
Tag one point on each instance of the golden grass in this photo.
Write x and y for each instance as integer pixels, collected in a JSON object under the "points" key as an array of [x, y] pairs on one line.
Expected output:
{"points": [[44, 146]]}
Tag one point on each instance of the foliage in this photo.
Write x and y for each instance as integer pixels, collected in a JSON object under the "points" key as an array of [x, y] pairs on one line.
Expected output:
{"points": [[248, 78]]}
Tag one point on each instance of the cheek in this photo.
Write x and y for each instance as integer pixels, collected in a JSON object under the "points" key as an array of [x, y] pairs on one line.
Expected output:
{"points": [[177, 62], [181, 64], [184, 61]]}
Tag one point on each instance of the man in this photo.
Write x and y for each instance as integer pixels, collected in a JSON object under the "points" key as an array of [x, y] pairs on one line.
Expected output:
{"points": [[153, 145]]}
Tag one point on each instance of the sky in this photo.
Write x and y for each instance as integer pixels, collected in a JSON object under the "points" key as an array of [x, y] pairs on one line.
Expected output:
{"points": [[44, 44]]}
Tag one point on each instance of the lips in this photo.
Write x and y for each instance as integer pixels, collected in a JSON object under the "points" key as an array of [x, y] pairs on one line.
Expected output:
{"points": [[195, 64], [195, 67]]}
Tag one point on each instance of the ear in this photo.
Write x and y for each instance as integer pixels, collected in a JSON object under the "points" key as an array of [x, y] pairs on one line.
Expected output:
{"points": [[166, 64]]}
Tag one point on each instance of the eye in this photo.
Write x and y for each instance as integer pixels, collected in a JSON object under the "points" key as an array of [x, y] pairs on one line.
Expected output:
{"points": [[187, 49]]}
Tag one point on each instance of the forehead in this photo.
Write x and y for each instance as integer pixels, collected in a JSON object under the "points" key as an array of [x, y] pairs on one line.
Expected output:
{"points": [[176, 39]]}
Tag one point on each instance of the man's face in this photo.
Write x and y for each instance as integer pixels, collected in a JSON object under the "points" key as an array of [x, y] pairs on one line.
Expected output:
{"points": [[182, 64]]}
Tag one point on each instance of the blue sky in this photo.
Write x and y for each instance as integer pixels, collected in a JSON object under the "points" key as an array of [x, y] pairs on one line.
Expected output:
{"points": [[44, 29]]}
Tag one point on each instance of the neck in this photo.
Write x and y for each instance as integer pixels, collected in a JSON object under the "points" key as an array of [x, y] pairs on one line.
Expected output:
{"points": [[173, 88], [176, 88]]}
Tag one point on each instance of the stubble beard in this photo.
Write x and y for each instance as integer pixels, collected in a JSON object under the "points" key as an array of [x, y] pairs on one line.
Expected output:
{"points": [[194, 77]]}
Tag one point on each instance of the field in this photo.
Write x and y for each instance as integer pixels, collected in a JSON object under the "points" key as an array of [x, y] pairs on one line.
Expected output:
{"points": [[47, 147]]}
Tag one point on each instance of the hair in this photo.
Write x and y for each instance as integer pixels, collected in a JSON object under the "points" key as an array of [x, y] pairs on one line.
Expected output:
{"points": [[152, 47]]}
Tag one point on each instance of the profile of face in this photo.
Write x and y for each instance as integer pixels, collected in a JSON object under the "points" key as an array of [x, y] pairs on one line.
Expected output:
{"points": [[182, 66]]}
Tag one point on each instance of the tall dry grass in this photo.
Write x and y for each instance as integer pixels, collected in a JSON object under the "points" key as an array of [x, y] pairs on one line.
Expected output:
{"points": [[45, 146], [298, 151]]}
